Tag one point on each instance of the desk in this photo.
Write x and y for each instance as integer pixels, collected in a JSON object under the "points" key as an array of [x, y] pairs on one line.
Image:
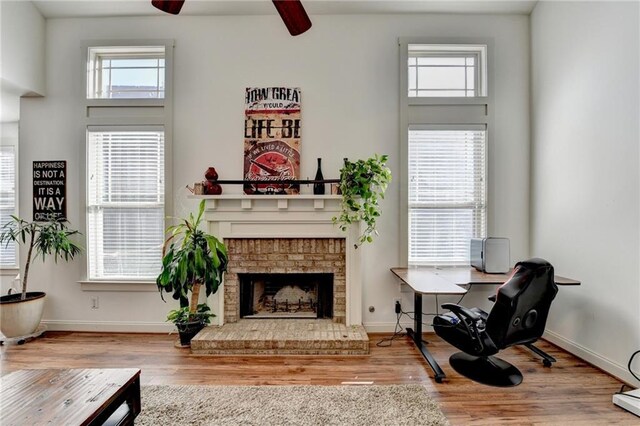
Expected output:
{"points": [[440, 281], [466, 275]]}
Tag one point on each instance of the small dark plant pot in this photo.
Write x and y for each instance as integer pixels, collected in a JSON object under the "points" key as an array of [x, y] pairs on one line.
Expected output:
{"points": [[188, 330]]}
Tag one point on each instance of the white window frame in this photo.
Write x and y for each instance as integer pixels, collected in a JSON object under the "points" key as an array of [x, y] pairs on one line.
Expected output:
{"points": [[477, 51], [94, 71], [12, 141], [127, 113], [440, 111]]}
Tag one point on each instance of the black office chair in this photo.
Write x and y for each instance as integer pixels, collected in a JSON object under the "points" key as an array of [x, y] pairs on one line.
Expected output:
{"points": [[518, 317]]}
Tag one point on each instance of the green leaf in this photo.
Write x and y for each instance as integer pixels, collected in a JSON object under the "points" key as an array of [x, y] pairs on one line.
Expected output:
{"points": [[200, 211], [199, 259], [182, 270]]}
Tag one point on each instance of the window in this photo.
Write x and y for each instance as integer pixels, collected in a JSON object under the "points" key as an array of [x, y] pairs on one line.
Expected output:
{"points": [[446, 122], [447, 187], [447, 70], [125, 207], [128, 110], [126, 72], [8, 253]]}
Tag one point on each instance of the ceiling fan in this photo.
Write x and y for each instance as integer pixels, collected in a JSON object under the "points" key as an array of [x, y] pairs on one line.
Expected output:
{"points": [[291, 11]]}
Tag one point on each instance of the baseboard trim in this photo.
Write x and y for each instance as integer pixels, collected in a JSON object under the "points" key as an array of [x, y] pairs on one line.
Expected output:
{"points": [[616, 370], [160, 327], [389, 327], [109, 326]]}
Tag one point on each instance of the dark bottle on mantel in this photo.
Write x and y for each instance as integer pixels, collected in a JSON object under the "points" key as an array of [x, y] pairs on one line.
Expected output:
{"points": [[318, 188]]}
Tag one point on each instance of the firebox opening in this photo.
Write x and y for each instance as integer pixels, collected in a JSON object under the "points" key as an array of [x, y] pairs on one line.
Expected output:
{"points": [[286, 295]]}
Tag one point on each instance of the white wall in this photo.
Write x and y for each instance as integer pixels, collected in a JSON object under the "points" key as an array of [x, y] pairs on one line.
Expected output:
{"points": [[347, 67], [22, 70], [22, 55], [585, 181]]}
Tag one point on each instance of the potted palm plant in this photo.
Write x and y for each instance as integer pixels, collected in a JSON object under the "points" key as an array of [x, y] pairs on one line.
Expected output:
{"points": [[191, 258], [21, 312], [362, 184]]}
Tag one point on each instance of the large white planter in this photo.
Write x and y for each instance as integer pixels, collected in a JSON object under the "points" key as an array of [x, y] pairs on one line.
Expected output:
{"points": [[21, 317]]}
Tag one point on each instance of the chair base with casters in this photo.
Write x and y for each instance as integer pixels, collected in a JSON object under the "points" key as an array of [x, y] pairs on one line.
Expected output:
{"points": [[547, 359], [488, 370]]}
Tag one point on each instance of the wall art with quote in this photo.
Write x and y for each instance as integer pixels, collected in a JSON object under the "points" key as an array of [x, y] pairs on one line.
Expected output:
{"points": [[272, 140]]}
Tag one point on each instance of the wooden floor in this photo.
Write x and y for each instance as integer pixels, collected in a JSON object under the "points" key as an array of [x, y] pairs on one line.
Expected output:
{"points": [[571, 392]]}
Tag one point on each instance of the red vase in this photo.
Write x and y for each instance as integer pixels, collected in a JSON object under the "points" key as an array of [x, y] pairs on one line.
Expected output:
{"points": [[211, 174], [212, 188]]}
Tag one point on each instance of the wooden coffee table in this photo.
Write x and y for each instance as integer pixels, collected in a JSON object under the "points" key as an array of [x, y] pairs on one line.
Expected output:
{"points": [[70, 397]]}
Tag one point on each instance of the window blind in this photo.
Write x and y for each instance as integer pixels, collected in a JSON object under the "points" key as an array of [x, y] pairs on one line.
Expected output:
{"points": [[447, 193], [125, 203], [8, 253]]}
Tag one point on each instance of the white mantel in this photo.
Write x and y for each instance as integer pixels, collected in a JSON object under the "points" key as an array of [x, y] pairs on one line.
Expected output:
{"points": [[285, 216]]}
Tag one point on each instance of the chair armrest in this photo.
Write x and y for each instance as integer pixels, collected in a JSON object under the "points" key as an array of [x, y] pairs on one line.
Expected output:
{"points": [[461, 310], [471, 326]]}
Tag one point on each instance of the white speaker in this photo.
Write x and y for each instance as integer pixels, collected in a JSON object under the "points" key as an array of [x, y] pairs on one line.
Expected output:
{"points": [[490, 255]]}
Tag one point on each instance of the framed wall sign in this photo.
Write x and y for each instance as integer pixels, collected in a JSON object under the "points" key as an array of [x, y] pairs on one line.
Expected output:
{"points": [[49, 190], [272, 139]]}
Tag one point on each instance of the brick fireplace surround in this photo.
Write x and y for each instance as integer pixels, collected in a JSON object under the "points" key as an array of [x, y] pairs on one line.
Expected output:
{"points": [[285, 255]]}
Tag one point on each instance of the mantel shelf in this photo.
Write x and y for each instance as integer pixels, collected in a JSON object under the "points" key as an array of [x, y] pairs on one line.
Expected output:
{"points": [[278, 202], [265, 197]]}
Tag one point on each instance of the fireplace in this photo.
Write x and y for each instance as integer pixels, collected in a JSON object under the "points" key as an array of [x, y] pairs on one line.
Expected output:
{"points": [[286, 295], [278, 273], [292, 235]]}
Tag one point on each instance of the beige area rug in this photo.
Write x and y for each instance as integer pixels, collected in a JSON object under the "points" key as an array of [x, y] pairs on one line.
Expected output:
{"points": [[289, 405]]}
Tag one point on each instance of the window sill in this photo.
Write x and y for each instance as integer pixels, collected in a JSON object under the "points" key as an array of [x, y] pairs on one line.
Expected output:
{"points": [[125, 102], [451, 100], [118, 286], [9, 271]]}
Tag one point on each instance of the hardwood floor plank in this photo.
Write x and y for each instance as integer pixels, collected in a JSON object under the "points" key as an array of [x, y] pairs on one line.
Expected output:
{"points": [[571, 392]]}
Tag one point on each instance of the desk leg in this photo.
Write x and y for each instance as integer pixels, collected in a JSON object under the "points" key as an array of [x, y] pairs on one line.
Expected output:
{"points": [[416, 336]]}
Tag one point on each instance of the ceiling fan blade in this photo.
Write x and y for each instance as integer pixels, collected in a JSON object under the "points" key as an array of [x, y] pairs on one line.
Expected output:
{"points": [[294, 16], [170, 6]]}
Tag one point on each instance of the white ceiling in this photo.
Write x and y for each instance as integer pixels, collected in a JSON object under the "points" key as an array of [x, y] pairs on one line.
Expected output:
{"points": [[103, 8]]}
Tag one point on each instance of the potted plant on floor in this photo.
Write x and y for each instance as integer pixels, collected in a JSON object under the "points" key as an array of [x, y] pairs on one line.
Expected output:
{"points": [[191, 258], [21, 312], [362, 184]]}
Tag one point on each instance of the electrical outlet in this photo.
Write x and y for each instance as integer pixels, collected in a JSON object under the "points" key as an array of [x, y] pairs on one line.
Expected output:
{"points": [[397, 305], [95, 302]]}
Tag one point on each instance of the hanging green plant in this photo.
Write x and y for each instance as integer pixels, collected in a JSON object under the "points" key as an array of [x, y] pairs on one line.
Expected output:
{"points": [[363, 184]]}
